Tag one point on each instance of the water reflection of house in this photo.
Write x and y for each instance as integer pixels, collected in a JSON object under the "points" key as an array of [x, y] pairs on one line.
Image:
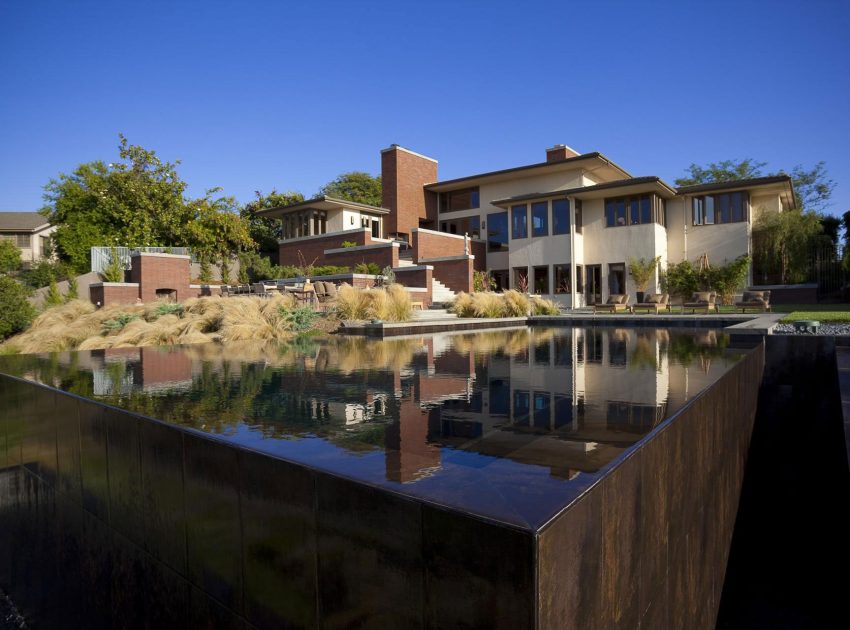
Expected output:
{"points": [[123, 370]]}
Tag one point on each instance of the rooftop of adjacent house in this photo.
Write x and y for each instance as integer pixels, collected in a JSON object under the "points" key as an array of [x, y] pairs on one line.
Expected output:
{"points": [[624, 186], [591, 162], [22, 222], [321, 203]]}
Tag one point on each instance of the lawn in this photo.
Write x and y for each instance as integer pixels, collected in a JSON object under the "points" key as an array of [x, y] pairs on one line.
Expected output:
{"points": [[833, 313]]}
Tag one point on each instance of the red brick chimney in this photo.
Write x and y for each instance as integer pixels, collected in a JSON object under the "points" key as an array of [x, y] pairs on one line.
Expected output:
{"points": [[403, 174], [560, 152]]}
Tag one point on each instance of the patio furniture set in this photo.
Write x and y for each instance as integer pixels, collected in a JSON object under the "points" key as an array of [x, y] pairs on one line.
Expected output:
{"points": [[700, 301], [312, 293]]}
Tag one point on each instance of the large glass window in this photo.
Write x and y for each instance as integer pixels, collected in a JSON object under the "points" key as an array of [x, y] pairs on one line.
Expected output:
{"points": [[540, 218], [722, 208], [561, 216], [541, 280], [562, 278], [617, 278], [497, 232], [465, 199], [519, 221], [578, 216], [637, 210], [20, 240], [466, 225], [521, 279]]}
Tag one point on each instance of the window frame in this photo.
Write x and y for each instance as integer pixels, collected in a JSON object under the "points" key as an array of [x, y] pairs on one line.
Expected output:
{"points": [[445, 199], [504, 245], [555, 230], [538, 205], [633, 209], [523, 209], [712, 209]]}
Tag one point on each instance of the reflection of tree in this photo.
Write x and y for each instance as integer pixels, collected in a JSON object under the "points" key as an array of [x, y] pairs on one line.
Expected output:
{"points": [[643, 354], [685, 347]]}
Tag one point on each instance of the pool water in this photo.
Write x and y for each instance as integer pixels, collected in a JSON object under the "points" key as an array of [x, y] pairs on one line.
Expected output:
{"points": [[510, 425]]}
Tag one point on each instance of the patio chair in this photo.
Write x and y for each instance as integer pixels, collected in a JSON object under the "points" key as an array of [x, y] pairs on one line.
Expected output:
{"points": [[260, 289], [330, 291], [617, 303], [225, 291], [321, 291], [652, 302], [702, 300], [759, 300]]}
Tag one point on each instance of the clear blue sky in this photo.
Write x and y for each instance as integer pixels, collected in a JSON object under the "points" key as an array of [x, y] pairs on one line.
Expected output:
{"points": [[256, 95]]}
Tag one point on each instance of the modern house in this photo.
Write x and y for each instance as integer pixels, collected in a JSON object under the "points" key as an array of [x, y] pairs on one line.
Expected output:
{"points": [[30, 231], [565, 227]]}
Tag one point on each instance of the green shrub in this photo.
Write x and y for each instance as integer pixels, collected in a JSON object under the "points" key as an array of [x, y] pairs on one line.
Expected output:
{"points": [[330, 270], [389, 275], [348, 244], [16, 312], [119, 321], [114, 271], [167, 308], [481, 281], [299, 319], [680, 280], [370, 268], [206, 271], [40, 273], [73, 289], [224, 267], [53, 297], [10, 256]]}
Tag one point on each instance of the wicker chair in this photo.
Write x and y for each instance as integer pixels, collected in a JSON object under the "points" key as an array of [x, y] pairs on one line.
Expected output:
{"points": [[702, 300], [617, 303], [653, 303], [758, 300]]}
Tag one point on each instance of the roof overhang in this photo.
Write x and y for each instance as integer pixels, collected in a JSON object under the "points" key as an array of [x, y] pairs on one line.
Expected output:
{"points": [[779, 184], [321, 203], [631, 186], [594, 163]]}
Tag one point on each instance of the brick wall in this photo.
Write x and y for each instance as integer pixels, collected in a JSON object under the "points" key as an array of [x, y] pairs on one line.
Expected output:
{"points": [[416, 278], [559, 152], [432, 388], [479, 250], [386, 254], [105, 293], [158, 366], [455, 274], [156, 272], [431, 244], [409, 454], [313, 249], [403, 175], [454, 362]]}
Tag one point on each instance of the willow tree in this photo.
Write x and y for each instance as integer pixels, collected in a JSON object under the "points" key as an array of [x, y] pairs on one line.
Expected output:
{"points": [[783, 243]]}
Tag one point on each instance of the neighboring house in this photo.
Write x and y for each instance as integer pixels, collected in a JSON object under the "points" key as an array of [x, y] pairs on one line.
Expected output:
{"points": [[566, 226], [30, 231]]}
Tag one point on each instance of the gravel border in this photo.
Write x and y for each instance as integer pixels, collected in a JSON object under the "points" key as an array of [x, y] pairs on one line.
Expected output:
{"points": [[825, 329]]}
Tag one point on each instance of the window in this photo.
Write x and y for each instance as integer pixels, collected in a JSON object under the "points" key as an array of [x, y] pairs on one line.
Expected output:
{"points": [[542, 407], [562, 278], [20, 240], [500, 396], [561, 216], [497, 232], [616, 278], [542, 353], [540, 218], [521, 279], [519, 221], [466, 225], [541, 280], [723, 208], [499, 279], [522, 404], [465, 199], [638, 210], [578, 216], [307, 223]]}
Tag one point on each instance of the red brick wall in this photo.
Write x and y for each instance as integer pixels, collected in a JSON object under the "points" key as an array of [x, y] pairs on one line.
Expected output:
{"points": [[154, 272], [314, 249], [428, 244], [160, 366], [434, 387], [409, 453], [455, 274], [479, 250], [106, 294], [403, 176], [416, 278], [383, 256], [453, 362], [558, 153]]}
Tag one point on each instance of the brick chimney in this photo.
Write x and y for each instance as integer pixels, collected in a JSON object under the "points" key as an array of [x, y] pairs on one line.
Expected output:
{"points": [[560, 152], [403, 174]]}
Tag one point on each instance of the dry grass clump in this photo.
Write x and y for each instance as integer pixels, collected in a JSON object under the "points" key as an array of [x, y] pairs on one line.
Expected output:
{"points": [[462, 305], [488, 305], [541, 306], [77, 325], [391, 304], [516, 304]]}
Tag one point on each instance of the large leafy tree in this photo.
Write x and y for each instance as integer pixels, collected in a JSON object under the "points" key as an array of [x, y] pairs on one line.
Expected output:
{"points": [[137, 201], [782, 242], [355, 186], [264, 231]]}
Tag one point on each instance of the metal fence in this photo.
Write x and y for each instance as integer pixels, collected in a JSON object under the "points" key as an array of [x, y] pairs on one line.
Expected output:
{"points": [[101, 256], [824, 266]]}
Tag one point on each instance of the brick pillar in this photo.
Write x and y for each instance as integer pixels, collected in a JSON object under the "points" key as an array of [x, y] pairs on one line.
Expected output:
{"points": [[403, 175], [560, 152]]}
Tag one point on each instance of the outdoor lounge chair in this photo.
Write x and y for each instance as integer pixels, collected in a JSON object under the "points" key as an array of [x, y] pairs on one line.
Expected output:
{"points": [[702, 300], [754, 299], [652, 303], [617, 303]]}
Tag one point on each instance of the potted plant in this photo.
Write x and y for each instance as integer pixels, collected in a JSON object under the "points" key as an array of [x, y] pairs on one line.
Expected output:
{"points": [[643, 271]]}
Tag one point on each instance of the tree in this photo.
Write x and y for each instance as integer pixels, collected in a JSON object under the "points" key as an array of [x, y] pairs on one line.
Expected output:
{"points": [[214, 228], [355, 186], [73, 292], [723, 171], [10, 256], [265, 231], [728, 278], [53, 297], [643, 271], [16, 312]]}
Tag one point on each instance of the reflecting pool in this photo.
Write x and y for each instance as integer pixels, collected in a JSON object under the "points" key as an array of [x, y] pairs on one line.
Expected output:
{"points": [[509, 424]]}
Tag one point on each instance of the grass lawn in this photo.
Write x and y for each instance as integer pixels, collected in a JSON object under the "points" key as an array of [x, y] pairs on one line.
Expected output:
{"points": [[834, 313]]}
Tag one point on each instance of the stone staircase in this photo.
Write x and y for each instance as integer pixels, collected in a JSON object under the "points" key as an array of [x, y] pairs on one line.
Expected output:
{"points": [[405, 259], [440, 293]]}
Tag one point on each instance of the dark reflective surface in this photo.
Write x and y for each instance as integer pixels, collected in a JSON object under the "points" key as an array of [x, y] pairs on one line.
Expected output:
{"points": [[509, 424]]}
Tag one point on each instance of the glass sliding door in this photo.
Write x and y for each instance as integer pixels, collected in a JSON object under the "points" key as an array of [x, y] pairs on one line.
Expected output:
{"points": [[593, 283]]}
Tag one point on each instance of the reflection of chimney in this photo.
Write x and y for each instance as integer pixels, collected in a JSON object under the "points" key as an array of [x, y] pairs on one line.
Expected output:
{"points": [[560, 152], [409, 456], [159, 367]]}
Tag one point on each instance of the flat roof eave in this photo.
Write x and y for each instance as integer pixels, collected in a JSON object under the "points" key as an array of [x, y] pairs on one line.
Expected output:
{"points": [[623, 186], [323, 202]]}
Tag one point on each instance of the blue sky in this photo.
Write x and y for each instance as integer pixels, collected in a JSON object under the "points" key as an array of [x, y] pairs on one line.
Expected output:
{"points": [[256, 95]]}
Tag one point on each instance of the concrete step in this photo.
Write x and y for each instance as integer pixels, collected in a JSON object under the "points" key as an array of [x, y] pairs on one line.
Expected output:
{"points": [[406, 262], [433, 313]]}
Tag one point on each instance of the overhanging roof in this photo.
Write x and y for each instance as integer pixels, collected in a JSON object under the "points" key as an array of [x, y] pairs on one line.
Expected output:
{"points": [[321, 203], [782, 183], [622, 186], [22, 221], [595, 162]]}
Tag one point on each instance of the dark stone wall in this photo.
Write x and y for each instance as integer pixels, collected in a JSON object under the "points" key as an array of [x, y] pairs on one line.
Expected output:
{"points": [[647, 545], [111, 520], [791, 550]]}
